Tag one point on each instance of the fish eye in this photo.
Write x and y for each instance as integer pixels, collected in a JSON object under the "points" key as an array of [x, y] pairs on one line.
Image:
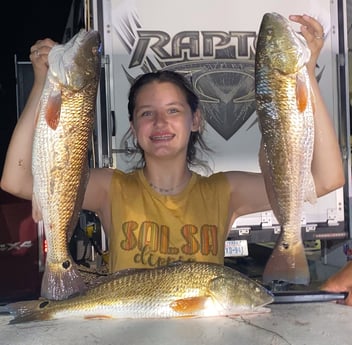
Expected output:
{"points": [[43, 304]]}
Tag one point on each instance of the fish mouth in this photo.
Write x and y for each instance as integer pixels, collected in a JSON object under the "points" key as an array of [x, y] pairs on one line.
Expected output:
{"points": [[67, 61]]}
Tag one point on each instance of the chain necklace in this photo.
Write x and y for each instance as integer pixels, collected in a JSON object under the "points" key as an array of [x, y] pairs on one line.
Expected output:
{"points": [[169, 190]]}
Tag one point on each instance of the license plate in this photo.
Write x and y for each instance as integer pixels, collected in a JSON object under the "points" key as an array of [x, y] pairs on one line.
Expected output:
{"points": [[236, 248]]}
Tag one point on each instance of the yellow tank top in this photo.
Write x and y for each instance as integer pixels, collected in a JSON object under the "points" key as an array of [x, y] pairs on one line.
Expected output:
{"points": [[150, 230]]}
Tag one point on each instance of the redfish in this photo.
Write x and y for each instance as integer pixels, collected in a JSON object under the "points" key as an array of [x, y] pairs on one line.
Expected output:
{"points": [[284, 103], [195, 289], [64, 125]]}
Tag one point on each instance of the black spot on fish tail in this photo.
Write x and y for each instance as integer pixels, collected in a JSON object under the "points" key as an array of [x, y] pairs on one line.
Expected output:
{"points": [[285, 245], [27, 311], [66, 264], [62, 282]]}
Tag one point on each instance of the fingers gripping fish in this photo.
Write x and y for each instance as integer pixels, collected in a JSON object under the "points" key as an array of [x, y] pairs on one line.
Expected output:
{"points": [[63, 130]]}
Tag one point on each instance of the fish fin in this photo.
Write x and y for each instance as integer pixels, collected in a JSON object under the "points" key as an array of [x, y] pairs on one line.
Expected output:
{"points": [[310, 192], [301, 93], [189, 305], [312, 97], [287, 264], [175, 263], [62, 281], [98, 317], [37, 115], [264, 163], [26, 311], [36, 211], [53, 110]]}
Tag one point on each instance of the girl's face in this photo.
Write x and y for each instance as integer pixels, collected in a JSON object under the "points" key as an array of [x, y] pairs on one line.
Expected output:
{"points": [[163, 120]]}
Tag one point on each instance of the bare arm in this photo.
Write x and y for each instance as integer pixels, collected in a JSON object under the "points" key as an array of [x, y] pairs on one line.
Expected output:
{"points": [[326, 147], [17, 175], [248, 193], [96, 196]]}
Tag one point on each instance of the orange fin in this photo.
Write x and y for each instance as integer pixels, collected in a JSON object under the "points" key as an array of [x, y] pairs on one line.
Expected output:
{"points": [[189, 305], [98, 317], [301, 93], [53, 110]]}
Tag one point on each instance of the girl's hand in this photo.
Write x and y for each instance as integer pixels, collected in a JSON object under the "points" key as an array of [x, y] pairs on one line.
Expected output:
{"points": [[341, 282], [39, 57], [313, 32]]}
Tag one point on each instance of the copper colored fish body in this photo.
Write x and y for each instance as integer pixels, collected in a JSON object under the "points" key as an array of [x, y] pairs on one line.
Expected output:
{"points": [[60, 154], [177, 290], [285, 111]]}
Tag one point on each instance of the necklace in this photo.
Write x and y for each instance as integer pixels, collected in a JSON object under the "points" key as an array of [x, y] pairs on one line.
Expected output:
{"points": [[172, 189]]}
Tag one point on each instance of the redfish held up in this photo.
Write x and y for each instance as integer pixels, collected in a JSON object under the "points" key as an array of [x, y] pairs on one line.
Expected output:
{"points": [[63, 130], [284, 104]]}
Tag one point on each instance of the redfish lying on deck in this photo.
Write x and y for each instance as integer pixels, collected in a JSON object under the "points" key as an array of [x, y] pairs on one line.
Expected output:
{"points": [[178, 290]]}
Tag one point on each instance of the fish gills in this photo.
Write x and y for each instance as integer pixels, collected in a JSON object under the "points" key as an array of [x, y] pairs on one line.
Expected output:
{"points": [[174, 291], [60, 155], [284, 104]]}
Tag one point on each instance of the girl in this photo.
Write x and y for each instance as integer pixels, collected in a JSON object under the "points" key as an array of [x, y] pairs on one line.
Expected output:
{"points": [[163, 211]]}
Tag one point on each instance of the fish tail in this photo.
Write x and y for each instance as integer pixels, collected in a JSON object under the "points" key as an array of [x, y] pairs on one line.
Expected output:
{"points": [[62, 282], [287, 264], [26, 311]]}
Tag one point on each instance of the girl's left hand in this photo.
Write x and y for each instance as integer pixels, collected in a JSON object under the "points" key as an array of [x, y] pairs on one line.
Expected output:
{"points": [[313, 32]]}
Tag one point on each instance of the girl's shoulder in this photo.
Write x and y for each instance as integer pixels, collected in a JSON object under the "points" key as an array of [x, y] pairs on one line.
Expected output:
{"points": [[122, 178], [218, 177], [216, 181], [119, 174]]}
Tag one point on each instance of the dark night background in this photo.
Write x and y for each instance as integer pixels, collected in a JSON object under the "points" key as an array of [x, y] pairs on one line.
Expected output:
{"points": [[22, 24]]}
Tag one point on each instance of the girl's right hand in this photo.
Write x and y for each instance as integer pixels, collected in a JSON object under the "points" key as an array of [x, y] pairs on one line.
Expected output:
{"points": [[341, 282], [39, 57]]}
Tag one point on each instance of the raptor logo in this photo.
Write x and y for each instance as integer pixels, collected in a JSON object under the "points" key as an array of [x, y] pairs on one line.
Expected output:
{"points": [[226, 92], [219, 64]]}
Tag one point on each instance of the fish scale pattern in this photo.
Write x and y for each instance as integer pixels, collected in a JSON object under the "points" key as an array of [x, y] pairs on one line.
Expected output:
{"points": [[178, 290], [60, 155], [285, 113]]}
